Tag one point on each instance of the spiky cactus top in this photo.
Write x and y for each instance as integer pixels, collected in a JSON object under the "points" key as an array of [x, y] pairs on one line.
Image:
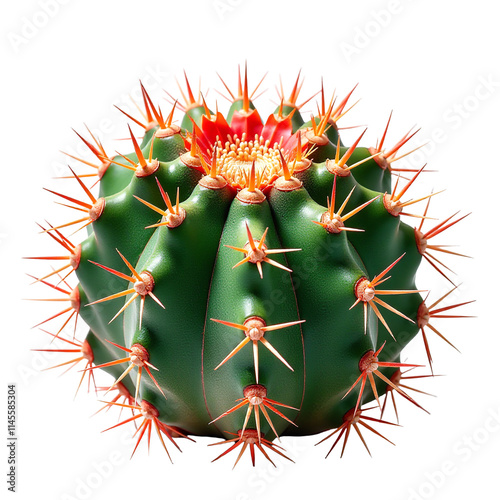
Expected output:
{"points": [[244, 277]]}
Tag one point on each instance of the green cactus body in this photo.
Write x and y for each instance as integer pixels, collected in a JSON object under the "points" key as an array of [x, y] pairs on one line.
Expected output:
{"points": [[235, 276]]}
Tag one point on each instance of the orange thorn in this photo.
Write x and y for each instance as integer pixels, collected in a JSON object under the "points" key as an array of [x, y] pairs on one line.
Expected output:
{"points": [[249, 438], [170, 117], [157, 113], [132, 118], [354, 419], [145, 99], [313, 124], [137, 149], [380, 145], [191, 100], [284, 165], [256, 252], [213, 169], [368, 366], [97, 152], [396, 379], [150, 416], [255, 396], [338, 112], [350, 151], [227, 88], [166, 198], [82, 348], [426, 314], [365, 292], [246, 99], [254, 329], [205, 107]]}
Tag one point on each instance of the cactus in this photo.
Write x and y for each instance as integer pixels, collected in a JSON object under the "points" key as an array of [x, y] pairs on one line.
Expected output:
{"points": [[245, 278]]}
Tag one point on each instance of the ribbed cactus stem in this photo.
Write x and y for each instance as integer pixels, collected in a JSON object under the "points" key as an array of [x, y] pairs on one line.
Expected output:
{"points": [[246, 277]]}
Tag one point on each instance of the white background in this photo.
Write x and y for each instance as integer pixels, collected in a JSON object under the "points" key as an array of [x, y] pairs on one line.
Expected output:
{"points": [[434, 63]]}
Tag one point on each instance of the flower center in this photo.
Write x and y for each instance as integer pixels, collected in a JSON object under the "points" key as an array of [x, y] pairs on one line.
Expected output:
{"points": [[236, 156]]}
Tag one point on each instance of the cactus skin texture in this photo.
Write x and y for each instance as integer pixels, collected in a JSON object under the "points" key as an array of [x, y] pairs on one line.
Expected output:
{"points": [[245, 278]]}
